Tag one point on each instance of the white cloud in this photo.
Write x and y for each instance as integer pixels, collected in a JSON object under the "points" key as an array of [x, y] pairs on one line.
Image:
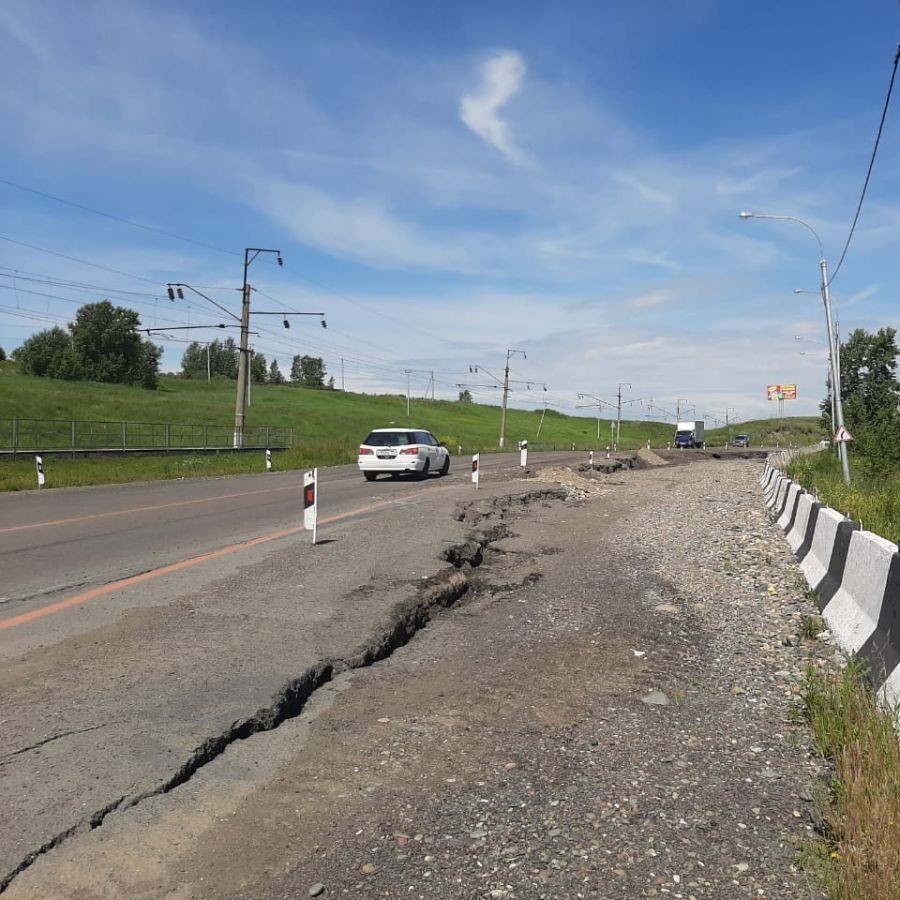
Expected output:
{"points": [[359, 228], [501, 79], [650, 299]]}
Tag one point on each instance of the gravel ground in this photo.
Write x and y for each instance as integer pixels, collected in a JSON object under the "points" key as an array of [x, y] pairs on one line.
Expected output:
{"points": [[606, 714], [610, 717]]}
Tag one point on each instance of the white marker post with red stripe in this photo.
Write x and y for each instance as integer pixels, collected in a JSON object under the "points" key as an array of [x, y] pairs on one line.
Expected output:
{"points": [[475, 461], [311, 501], [39, 465], [268, 460]]}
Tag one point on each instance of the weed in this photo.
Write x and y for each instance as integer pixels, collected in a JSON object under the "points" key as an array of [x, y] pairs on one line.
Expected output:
{"points": [[811, 627], [862, 815]]}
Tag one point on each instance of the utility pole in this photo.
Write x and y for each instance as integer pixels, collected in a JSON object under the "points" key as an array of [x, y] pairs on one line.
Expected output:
{"points": [[678, 408], [506, 395], [408, 371], [728, 409], [342, 373], [240, 406], [619, 415]]}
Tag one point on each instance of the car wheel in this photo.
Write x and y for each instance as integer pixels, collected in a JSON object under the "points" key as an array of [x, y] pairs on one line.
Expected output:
{"points": [[445, 468], [370, 476], [425, 468]]}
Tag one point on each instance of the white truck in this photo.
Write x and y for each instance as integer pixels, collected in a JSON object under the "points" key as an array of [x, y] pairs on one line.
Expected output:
{"points": [[689, 434]]}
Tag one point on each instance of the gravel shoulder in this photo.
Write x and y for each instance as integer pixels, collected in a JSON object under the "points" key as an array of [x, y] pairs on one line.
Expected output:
{"points": [[604, 712]]}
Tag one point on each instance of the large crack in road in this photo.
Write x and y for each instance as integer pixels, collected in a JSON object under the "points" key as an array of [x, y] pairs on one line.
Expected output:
{"points": [[438, 592]]}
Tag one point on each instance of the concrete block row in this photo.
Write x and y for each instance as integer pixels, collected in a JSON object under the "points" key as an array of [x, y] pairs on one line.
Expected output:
{"points": [[855, 574]]}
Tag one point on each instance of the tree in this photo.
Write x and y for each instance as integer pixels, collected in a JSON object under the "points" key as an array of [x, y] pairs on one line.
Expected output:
{"points": [[308, 371], [102, 344], [257, 368], [44, 353], [108, 348], [223, 359], [871, 394], [275, 376], [2, 354], [465, 396]]}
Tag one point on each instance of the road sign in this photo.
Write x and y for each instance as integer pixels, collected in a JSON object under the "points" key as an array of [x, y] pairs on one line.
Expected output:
{"points": [[842, 436]]}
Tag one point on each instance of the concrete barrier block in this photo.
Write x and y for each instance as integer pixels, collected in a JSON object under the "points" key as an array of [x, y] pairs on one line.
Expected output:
{"points": [[779, 489], [790, 504], [882, 650], [815, 565], [853, 612], [796, 531]]}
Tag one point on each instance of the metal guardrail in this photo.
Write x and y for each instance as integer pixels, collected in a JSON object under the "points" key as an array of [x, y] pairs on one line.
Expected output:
{"points": [[79, 436]]}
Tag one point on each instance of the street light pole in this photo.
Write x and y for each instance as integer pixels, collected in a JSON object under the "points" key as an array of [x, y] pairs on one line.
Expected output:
{"points": [[838, 423], [240, 406]]}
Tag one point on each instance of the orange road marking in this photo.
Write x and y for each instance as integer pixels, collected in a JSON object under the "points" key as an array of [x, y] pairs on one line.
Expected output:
{"points": [[103, 590]]}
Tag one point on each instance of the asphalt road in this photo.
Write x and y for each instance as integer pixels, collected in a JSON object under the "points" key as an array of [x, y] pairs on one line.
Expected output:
{"points": [[145, 620], [57, 543]]}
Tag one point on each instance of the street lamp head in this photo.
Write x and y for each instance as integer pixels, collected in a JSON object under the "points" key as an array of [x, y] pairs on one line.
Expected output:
{"points": [[746, 215]]}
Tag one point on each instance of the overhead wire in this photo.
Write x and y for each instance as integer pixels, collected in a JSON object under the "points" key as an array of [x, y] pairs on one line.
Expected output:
{"points": [[862, 197]]}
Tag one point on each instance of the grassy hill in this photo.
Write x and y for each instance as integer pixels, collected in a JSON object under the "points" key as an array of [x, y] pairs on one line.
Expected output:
{"points": [[795, 431], [328, 424]]}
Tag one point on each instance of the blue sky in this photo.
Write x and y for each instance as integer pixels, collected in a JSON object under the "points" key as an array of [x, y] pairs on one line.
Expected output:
{"points": [[448, 181]]}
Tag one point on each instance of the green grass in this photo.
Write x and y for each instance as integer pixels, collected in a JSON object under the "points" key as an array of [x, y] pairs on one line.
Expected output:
{"points": [[797, 431], [860, 856], [328, 425], [873, 500]]}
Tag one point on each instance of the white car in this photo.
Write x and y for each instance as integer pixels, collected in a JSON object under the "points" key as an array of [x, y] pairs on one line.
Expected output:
{"points": [[396, 450]]}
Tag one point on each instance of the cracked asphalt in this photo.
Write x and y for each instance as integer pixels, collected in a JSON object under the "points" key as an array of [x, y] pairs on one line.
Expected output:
{"points": [[452, 699]]}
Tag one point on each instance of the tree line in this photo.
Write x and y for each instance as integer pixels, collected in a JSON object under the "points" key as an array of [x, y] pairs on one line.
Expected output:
{"points": [[104, 344], [220, 358]]}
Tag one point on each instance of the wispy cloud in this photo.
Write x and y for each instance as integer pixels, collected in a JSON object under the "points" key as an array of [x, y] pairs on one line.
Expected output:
{"points": [[650, 299], [501, 79]]}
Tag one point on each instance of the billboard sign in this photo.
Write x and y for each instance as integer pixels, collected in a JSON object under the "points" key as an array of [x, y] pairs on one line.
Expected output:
{"points": [[781, 392]]}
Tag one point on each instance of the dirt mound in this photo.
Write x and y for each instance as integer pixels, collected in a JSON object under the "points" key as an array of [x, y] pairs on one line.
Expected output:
{"points": [[648, 458]]}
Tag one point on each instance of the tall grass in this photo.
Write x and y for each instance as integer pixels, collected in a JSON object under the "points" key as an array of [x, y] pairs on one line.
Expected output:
{"points": [[862, 814], [872, 499]]}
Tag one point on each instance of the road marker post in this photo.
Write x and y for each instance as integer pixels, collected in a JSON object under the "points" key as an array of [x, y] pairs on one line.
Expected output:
{"points": [[268, 460], [311, 501], [523, 453], [591, 459], [39, 465], [607, 452], [475, 461]]}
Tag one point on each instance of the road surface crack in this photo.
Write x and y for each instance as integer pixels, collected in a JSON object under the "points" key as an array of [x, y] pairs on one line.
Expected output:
{"points": [[441, 591]]}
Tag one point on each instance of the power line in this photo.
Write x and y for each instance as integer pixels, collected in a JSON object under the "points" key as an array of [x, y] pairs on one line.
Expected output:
{"points": [[887, 102], [119, 219], [83, 262]]}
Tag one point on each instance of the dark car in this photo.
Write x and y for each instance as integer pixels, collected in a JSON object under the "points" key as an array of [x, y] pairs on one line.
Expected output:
{"points": [[741, 440]]}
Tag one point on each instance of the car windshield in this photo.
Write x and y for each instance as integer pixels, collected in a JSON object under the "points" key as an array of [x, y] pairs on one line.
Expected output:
{"points": [[742, 437], [390, 438]]}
